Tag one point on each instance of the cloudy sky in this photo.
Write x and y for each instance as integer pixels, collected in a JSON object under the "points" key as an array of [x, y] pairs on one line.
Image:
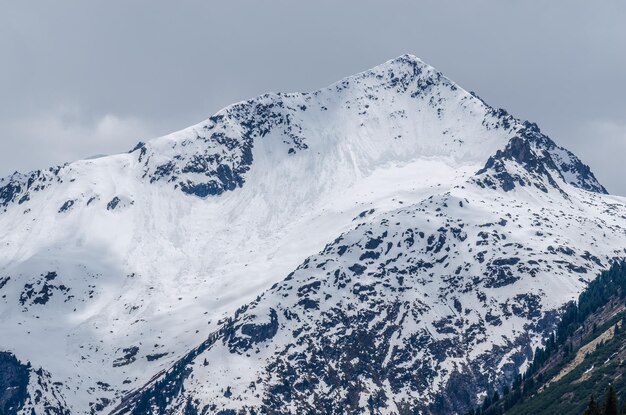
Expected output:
{"points": [[84, 78]]}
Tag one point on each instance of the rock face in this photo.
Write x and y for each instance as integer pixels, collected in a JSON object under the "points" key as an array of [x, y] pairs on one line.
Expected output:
{"points": [[540, 156], [24, 390], [13, 383], [389, 244]]}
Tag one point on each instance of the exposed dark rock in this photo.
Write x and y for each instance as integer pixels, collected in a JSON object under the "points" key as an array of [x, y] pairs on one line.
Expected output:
{"points": [[13, 384], [67, 206], [40, 291], [113, 203], [128, 357]]}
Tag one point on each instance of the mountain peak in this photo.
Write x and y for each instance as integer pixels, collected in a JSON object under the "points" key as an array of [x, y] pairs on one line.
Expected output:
{"points": [[405, 68], [409, 59]]}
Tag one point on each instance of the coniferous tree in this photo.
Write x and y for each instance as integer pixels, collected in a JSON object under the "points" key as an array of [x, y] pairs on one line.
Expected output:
{"points": [[610, 402], [487, 403], [592, 408]]}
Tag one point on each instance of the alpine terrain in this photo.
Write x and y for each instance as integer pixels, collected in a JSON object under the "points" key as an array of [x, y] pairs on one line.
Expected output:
{"points": [[390, 244]]}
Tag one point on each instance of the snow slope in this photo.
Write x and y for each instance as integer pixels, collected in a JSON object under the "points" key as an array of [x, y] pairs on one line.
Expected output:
{"points": [[440, 298], [114, 269]]}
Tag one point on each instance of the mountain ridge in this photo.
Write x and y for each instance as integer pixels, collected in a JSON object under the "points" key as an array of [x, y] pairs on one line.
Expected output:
{"points": [[396, 73]]}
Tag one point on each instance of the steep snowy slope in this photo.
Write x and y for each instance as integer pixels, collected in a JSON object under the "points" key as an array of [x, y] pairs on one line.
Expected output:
{"points": [[113, 269], [417, 310]]}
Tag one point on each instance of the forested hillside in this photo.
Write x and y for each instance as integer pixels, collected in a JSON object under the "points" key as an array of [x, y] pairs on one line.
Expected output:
{"points": [[581, 363]]}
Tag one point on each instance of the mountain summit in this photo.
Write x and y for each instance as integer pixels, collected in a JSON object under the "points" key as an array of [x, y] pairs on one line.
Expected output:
{"points": [[388, 244]]}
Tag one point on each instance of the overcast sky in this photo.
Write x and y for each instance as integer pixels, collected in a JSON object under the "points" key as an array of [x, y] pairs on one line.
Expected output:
{"points": [[82, 78]]}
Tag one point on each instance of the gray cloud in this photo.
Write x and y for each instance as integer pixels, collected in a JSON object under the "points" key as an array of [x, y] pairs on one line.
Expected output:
{"points": [[81, 78]]}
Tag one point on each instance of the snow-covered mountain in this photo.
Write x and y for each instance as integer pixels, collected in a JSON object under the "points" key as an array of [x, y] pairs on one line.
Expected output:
{"points": [[389, 243]]}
